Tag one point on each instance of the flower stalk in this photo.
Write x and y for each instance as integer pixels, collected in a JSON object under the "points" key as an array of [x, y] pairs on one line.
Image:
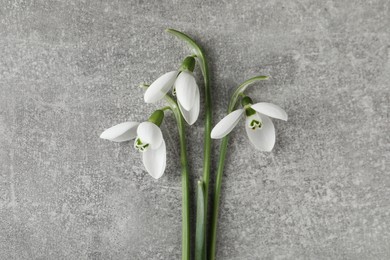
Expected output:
{"points": [[173, 106], [221, 164], [185, 190], [184, 179], [199, 53]]}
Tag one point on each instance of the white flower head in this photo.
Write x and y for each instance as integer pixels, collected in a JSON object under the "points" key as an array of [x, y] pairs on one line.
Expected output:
{"points": [[258, 125], [148, 140], [183, 85]]}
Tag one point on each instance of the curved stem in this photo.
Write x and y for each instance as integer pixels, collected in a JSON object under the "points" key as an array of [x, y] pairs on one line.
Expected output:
{"points": [[166, 108], [221, 163], [197, 50], [240, 89]]}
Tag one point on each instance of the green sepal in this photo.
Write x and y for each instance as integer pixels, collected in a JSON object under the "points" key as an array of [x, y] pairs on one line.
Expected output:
{"points": [[245, 101], [188, 64], [249, 111], [157, 117]]}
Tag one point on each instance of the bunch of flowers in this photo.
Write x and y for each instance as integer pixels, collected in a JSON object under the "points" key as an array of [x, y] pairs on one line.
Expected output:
{"points": [[181, 92]]}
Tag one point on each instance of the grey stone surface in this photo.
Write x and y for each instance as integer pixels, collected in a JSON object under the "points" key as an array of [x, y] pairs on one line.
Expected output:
{"points": [[70, 69]]}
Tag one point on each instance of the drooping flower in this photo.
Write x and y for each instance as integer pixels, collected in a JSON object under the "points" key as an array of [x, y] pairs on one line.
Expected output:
{"points": [[258, 125], [184, 86], [148, 140]]}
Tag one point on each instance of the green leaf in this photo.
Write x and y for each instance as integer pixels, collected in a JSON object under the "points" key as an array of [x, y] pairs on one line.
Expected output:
{"points": [[200, 221]]}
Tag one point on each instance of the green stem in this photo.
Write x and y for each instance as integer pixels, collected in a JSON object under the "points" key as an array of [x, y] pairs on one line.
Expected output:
{"points": [[208, 116], [207, 136], [199, 237], [217, 195], [184, 179], [185, 191], [221, 164], [184, 175]]}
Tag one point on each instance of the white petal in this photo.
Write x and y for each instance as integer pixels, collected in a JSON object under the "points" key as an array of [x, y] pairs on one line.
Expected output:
{"points": [[262, 138], [192, 115], [121, 132], [155, 160], [160, 87], [150, 133], [226, 125], [186, 86], [270, 110]]}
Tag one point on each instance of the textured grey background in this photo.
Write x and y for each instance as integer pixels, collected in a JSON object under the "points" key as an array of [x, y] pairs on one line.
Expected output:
{"points": [[70, 69]]}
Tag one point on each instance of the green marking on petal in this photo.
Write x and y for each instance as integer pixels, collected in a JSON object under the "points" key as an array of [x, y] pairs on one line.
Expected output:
{"points": [[255, 124], [139, 145]]}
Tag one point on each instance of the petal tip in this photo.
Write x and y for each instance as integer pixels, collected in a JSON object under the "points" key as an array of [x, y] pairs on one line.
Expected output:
{"points": [[148, 97], [283, 116], [215, 135], [155, 177], [105, 135], [269, 149]]}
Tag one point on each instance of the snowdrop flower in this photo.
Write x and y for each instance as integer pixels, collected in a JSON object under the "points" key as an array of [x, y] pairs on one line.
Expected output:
{"points": [[258, 125], [148, 140], [183, 85]]}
